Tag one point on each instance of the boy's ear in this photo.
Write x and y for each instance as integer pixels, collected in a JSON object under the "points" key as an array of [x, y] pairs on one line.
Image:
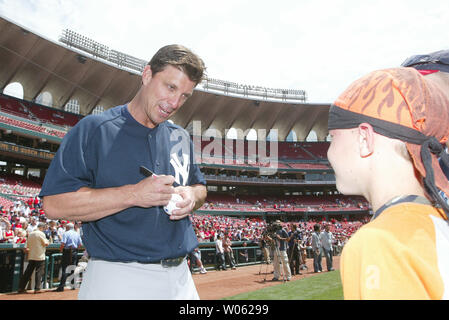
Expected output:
{"points": [[366, 139]]}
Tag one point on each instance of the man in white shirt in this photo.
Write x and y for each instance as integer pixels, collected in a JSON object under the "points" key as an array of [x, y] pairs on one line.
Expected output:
{"points": [[326, 242], [35, 247], [61, 230], [317, 248], [26, 211], [220, 253], [33, 225], [16, 208]]}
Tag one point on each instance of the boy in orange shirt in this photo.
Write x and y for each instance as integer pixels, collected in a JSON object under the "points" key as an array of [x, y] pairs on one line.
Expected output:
{"points": [[388, 129]]}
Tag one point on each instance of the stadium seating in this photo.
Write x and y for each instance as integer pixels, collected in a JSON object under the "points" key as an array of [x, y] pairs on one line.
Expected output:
{"points": [[18, 185], [318, 149], [304, 151], [6, 202], [308, 166], [293, 151], [222, 202], [55, 116], [36, 112], [13, 106]]}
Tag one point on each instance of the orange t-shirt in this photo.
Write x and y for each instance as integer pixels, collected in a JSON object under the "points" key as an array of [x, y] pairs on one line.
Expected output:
{"points": [[402, 254]]}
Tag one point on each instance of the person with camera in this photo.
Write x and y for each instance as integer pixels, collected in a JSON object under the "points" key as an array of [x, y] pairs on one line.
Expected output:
{"points": [[294, 240], [265, 246], [280, 253]]}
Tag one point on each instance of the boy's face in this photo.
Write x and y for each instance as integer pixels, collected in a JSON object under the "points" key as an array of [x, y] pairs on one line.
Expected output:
{"points": [[343, 154]]}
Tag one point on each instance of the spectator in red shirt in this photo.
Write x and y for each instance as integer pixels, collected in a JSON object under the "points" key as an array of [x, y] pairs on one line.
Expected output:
{"points": [[30, 202], [8, 235], [36, 202]]}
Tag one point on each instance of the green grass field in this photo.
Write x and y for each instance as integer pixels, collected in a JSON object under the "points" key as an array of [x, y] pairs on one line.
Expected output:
{"points": [[324, 286]]}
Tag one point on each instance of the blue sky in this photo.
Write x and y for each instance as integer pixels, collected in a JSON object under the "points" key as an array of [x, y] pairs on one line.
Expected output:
{"points": [[318, 46]]}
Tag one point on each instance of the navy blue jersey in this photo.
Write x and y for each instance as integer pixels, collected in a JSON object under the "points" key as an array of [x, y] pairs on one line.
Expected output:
{"points": [[438, 60], [106, 150]]}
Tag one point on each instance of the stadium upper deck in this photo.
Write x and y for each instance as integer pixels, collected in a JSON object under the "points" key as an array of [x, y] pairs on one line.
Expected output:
{"points": [[66, 73]]}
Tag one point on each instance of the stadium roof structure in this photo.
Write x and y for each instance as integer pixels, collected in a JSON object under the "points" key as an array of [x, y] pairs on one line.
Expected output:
{"points": [[103, 77]]}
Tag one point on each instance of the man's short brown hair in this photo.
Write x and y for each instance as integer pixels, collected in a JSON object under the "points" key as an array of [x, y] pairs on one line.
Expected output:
{"points": [[181, 58]]}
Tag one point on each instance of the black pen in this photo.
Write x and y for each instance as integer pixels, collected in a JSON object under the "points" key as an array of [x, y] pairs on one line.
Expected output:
{"points": [[147, 172]]}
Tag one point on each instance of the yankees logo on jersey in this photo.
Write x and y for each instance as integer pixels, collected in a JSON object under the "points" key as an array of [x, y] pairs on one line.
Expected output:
{"points": [[181, 169]]}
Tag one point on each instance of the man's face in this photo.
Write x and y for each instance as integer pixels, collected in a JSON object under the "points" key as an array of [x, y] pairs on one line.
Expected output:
{"points": [[164, 93], [342, 155]]}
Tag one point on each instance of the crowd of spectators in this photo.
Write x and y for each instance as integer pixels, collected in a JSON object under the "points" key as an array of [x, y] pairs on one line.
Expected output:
{"points": [[250, 230], [208, 227], [23, 216]]}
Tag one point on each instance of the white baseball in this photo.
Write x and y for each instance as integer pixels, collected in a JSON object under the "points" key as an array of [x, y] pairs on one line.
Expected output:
{"points": [[175, 198]]}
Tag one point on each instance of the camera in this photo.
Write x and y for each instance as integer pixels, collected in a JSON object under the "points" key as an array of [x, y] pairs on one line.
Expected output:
{"points": [[272, 228]]}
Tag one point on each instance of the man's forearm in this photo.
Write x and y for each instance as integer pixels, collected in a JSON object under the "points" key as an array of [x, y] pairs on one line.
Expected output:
{"points": [[87, 204]]}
